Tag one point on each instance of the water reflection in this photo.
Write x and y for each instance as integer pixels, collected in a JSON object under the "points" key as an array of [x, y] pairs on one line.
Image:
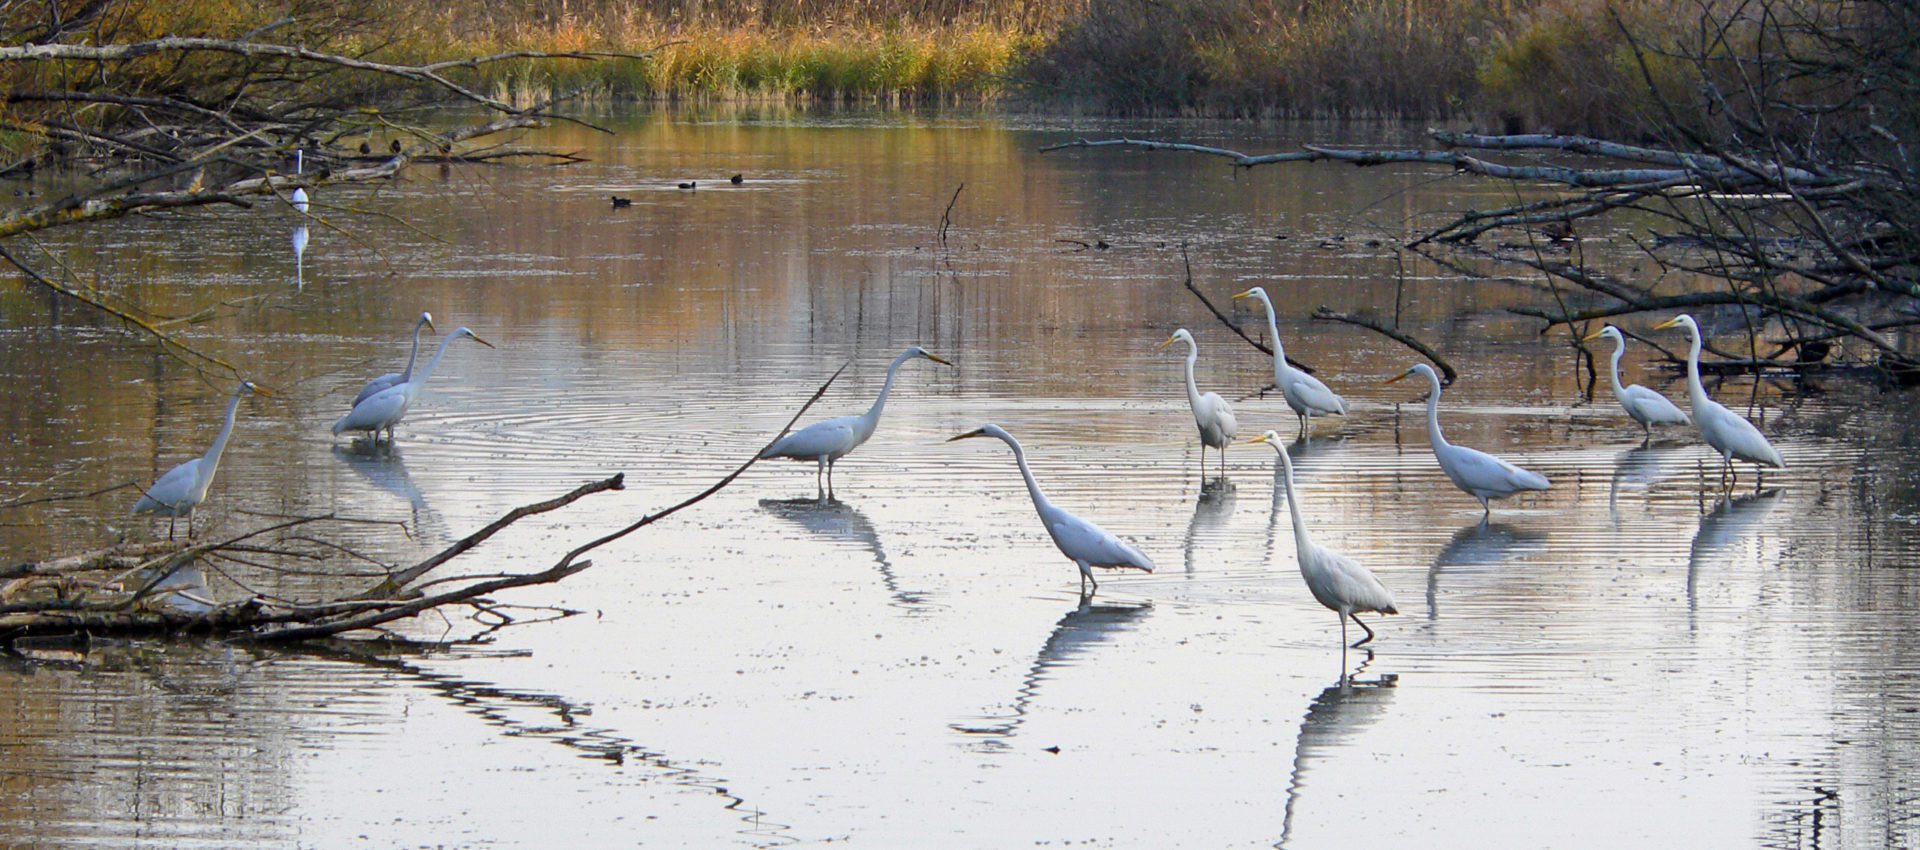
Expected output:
{"points": [[1638, 468], [840, 521], [1334, 719], [1730, 521], [1083, 628], [385, 467], [1482, 544], [299, 257], [1212, 512]]}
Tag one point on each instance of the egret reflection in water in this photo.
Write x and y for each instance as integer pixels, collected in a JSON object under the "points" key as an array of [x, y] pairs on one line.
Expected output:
{"points": [[1731, 520], [1083, 628], [1212, 512], [385, 467], [1482, 544], [1333, 720], [299, 257], [1639, 468], [836, 520]]}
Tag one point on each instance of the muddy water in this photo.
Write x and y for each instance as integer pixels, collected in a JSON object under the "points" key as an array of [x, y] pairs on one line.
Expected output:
{"points": [[1628, 660]]}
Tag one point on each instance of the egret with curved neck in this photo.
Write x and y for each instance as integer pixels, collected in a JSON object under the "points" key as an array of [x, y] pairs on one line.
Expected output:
{"points": [[1727, 432], [1304, 393], [1084, 543], [1210, 412], [828, 441], [1481, 475], [392, 379], [1647, 407], [384, 409], [184, 487], [1336, 581]]}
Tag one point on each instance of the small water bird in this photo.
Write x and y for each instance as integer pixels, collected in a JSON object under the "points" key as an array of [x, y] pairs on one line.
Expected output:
{"points": [[392, 379], [384, 409], [690, 184], [1647, 407], [619, 202], [1085, 544], [184, 487], [1337, 581], [1304, 393], [828, 441], [1481, 475], [737, 179], [1211, 413], [1727, 432]]}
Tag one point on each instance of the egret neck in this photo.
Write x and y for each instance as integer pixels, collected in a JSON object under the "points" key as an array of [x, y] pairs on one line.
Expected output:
{"points": [[871, 419], [1696, 391], [1433, 411], [1300, 539], [1040, 503], [1620, 348], [407, 375], [212, 460]]}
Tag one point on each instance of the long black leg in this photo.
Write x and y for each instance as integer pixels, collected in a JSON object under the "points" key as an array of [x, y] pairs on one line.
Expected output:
{"points": [[1356, 621]]}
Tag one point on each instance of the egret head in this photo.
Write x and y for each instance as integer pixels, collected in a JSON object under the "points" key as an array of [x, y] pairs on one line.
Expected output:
{"points": [[468, 332], [426, 318], [1609, 331], [251, 387], [1271, 438], [1180, 335], [1682, 319], [1259, 292], [984, 431], [1418, 369], [917, 351]]}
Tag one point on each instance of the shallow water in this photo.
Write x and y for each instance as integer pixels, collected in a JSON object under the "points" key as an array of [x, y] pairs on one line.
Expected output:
{"points": [[1627, 660]]}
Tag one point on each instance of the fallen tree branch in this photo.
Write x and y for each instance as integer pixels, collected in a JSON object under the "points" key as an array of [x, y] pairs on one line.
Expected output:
{"points": [[1448, 373]]}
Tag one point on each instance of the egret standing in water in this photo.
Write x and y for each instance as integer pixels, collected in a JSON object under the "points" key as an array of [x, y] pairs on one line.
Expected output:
{"points": [[1337, 581], [1084, 543], [1210, 411], [1303, 392], [1727, 432], [184, 487], [299, 192], [385, 409], [1481, 475], [828, 441], [393, 379], [1647, 407]]}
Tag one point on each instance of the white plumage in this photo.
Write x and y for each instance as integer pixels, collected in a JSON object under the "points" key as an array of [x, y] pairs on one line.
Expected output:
{"points": [[828, 441], [1647, 407], [299, 167], [384, 409], [184, 487], [1084, 543], [1481, 475], [1337, 581], [1304, 393], [1727, 432], [393, 379], [1211, 413]]}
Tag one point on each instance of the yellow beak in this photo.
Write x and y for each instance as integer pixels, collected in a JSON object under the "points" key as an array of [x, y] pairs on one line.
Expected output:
{"points": [[1170, 340], [1396, 377], [430, 325], [1667, 324], [940, 360], [1245, 294], [484, 342], [973, 433], [1595, 335], [1260, 439], [262, 390]]}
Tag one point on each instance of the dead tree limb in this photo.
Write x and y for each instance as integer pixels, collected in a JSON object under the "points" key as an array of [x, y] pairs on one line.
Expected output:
{"points": [[1448, 374]]}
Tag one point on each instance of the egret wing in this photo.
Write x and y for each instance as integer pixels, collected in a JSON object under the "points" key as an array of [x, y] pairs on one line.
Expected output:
{"points": [[1356, 585], [1476, 470], [1083, 541], [378, 411], [1651, 407], [168, 492], [832, 438], [377, 385], [1217, 424], [1308, 392]]}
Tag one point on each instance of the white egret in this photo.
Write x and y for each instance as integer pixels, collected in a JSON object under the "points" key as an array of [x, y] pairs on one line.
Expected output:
{"points": [[299, 192], [1647, 407], [1304, 393], [385, 409], [1481, 475], [184, 487], [1084, 543], [1727, 432], [1210, 411], [1337, 581], [828, 441], [393, 379]]}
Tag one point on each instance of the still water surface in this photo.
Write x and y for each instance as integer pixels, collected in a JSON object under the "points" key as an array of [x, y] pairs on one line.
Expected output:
{"points": [[1628, 660]]}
